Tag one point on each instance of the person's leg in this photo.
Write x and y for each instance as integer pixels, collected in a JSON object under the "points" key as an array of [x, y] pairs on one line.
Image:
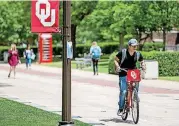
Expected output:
{"points": [[14, 68], [93, 66], [10, 70], [14, 71], [123, 91], [26, 63], [97, 67], [137, 86], [30, 62]]}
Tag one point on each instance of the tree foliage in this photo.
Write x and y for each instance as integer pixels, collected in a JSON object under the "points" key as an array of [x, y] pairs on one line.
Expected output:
{"points": [[95, 20]]}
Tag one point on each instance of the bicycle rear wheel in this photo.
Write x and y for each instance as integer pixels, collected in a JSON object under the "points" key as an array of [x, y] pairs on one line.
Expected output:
{"points": [[135, 106]]}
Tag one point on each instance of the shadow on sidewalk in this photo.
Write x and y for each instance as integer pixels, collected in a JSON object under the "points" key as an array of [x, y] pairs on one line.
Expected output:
{"points": [[5, 85], [116, 120]]}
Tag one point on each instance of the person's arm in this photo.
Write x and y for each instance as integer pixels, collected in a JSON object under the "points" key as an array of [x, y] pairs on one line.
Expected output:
{"points": [[117, 60], [90, 50], [142, 63], [9, 54], [100, 50], [24, 53], [32, 52], [18, 58]]}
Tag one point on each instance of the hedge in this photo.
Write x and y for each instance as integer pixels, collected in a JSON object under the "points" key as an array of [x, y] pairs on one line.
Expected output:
{"points": [[168, 62], [107, 48], [110, 47]]}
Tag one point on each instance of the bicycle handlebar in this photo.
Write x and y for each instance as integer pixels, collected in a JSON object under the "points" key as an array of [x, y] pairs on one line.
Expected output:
{"points": [[126, 69]]}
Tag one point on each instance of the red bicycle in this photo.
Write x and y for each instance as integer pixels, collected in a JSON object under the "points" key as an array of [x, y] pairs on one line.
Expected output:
{"points": [[132, 99]]}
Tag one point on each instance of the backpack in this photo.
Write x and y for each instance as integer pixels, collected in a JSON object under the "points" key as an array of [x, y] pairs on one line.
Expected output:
{"points": [[124, 56], [96, 53]]}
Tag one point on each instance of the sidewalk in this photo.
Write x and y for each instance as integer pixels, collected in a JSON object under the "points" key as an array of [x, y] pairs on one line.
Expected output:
{"points": [[94, 98], [102, 79]]}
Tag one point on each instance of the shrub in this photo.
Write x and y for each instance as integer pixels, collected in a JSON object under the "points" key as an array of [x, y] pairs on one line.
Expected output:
{"points": [[152, 46], [110, 47], [168, 62], [107, 48], [111, 66]]}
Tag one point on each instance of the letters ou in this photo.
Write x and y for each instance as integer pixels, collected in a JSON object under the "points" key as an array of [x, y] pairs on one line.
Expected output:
{"points": [[40, 13], [133, 74]]}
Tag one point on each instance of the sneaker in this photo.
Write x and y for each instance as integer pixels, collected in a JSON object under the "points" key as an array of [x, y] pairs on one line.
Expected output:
{"points": [[119, 112], [8, 75]]}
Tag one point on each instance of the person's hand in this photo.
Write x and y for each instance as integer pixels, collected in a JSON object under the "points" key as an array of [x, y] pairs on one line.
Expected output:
{"points": [[143, 68], [19, 62], [118, 69]]}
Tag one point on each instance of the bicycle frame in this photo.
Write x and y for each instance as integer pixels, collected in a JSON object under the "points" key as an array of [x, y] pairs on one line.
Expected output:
{"points": [[133, 78], [131, 86], [131, 98]]}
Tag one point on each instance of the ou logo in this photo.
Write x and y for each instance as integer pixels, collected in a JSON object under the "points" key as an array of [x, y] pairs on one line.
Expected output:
{"points": [[40, 13], [133, 75]]}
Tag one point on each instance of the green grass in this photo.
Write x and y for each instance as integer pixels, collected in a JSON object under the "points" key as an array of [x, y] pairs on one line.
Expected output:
{"points": [[174, 78], [17, 114], [102, 66]]}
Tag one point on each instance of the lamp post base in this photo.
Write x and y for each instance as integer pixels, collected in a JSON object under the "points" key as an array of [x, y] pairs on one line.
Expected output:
{"points": [[65, 123]]}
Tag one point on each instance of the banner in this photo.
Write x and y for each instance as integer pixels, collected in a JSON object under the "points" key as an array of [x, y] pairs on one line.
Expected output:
{"points": [[45, 48], [44, 16]]}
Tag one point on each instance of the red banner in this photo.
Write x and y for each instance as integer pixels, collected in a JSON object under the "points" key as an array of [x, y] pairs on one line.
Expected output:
{"points": [[45, 48], [44, 16]]}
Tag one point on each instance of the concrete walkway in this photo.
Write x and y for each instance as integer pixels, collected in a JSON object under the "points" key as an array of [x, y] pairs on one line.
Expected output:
{"points": [[94, 98]]}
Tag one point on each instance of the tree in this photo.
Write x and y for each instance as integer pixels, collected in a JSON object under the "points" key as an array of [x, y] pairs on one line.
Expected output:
{"points": [[95, 27], [80, 10], [165, 13], [123, 21], [144, 22], [15, 21]]}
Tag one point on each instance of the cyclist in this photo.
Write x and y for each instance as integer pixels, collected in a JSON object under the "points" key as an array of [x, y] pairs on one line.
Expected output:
{"points": [[127, 59]]}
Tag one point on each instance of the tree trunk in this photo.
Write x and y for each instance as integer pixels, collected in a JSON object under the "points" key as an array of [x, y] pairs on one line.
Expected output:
{"points": [[121, 40], [73, 38], [177, 39], [164, 39], [139, 40]]}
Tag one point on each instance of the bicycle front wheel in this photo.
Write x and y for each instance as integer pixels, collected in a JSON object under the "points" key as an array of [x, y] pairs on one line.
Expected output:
{"points": [[135, 106]]}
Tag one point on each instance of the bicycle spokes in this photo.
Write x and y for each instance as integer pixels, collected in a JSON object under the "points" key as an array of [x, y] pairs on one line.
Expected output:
{"points": [[135, 107]]}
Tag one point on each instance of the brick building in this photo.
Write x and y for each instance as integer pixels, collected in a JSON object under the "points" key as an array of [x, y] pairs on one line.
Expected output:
{"points": [[172, 39]]}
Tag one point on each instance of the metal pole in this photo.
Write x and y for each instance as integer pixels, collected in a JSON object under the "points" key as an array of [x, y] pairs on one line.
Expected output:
{"points": [[66, 71]]}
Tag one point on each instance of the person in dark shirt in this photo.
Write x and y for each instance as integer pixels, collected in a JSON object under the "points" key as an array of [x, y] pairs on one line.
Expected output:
{"points": [[129, 62]]}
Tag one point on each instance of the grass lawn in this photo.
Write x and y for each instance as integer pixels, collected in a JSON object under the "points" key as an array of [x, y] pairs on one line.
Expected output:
{"points": [[17, 114], [102, 66], [174, 78]]}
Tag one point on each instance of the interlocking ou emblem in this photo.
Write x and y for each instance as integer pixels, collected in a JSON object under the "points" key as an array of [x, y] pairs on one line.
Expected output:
{"points": [[133, 75], [43, 14]]}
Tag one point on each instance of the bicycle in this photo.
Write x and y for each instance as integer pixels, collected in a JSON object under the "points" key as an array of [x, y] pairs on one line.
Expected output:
{"points": [[132, 99]]}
